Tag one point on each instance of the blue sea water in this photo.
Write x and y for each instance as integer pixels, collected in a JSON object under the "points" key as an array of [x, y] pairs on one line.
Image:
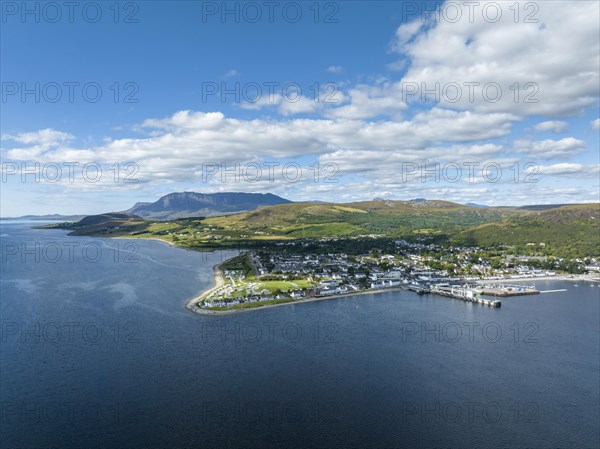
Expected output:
{"points": [[98, 351]]}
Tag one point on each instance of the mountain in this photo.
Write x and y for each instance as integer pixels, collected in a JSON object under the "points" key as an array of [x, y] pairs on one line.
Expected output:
{"points": [[481, 206], [192, 204]]}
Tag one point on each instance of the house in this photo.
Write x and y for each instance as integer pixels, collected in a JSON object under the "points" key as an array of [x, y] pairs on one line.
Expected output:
{"points": [[297, 294]]}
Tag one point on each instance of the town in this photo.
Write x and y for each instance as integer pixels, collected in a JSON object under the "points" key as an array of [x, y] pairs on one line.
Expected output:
{"points": [[257, 278]]}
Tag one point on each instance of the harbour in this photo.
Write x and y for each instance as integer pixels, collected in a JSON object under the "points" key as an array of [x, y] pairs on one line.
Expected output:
{"points": [[474, 293], [464, 293]]}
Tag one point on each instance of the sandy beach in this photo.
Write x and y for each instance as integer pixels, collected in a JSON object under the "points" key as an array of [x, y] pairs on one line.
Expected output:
{"points": [[219, 281]]}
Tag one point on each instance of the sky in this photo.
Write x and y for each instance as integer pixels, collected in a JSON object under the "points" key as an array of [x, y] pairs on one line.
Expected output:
{"points": [[105, 104]]}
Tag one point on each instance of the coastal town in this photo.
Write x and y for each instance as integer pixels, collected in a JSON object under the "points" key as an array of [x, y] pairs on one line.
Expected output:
{"points": [[257, 278]]}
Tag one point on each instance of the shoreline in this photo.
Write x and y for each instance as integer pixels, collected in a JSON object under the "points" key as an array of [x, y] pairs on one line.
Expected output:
{"points": [[219, 281], [198, 310]]}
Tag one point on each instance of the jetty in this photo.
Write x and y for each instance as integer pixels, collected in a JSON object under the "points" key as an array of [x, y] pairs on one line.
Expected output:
{"points": [[505, 290], [419, 289], [464, 293]]}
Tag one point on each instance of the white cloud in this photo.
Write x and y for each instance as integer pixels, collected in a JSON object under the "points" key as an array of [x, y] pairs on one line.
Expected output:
{"points": [[548, 148], [174, 148], [571, 170], [365, 102], [596, 124], [335, 69], [560, 54], [300, 105], [404, 34], [45, 137], [231, 73], [554, 126]]}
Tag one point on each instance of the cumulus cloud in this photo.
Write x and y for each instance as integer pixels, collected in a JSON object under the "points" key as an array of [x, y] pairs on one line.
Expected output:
{"points": [[46, 137], [404, 34], [172, 148], [554, 126], [596, 124], [556, 70], [571, 170], [367, 101], [548, 148]]}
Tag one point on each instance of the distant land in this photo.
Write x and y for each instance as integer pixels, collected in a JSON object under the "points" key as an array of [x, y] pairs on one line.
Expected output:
{"points": [[552, 229], [53, 217], [184, 204]]}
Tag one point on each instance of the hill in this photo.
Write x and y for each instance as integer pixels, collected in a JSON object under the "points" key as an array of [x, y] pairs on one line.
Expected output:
{"points": [[109, 224], [381, 217], [569, 231], [560, 230], [193, 204]]}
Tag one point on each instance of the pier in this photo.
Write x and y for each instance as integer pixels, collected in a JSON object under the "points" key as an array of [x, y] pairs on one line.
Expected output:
{"points": [[419, 289], [464, 293], [505, 290]]}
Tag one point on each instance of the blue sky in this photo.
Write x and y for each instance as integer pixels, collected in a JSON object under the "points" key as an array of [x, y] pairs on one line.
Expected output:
{"points": [[368, 130]]}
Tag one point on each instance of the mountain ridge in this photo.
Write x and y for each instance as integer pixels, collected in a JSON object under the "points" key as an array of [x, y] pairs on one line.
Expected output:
{"points": [[196, 204]]}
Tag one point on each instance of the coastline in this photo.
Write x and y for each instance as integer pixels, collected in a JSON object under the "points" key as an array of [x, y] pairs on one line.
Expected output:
{"points": [[190, 304], [220, 281]]}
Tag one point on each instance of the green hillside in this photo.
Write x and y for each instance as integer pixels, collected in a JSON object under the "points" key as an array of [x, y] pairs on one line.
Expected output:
{"points": [[389, 218], [567, 231], [564, 230]]}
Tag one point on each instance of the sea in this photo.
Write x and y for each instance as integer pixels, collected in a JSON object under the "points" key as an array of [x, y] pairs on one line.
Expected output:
{"points": [[97, 350]]}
